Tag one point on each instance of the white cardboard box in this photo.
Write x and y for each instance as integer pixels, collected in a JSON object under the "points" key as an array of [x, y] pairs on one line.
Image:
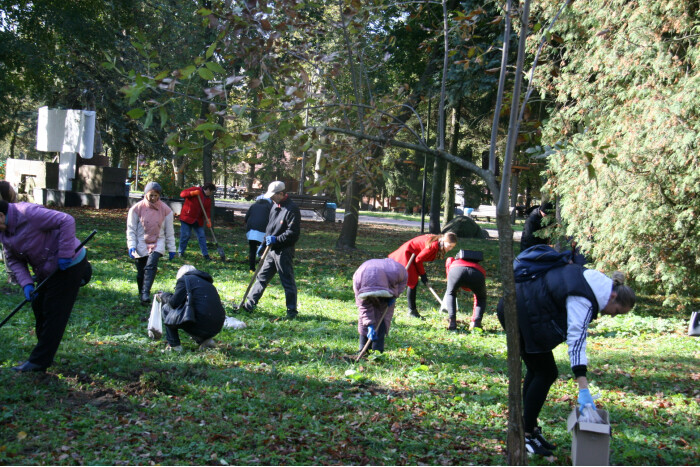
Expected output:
{"points": [[590, 442]]}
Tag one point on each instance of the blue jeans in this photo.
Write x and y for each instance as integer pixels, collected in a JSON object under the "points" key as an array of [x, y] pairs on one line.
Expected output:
{"points": [[186, 232]]}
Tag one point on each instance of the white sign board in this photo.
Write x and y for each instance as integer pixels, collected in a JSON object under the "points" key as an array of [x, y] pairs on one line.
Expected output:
{"points": [[66, 131]]}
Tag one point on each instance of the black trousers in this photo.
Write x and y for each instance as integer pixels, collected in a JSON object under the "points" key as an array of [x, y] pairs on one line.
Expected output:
{"points": [[275, 262], [147, 265], [253, 246], [541, 372], [172, 335], [472, 279], [52, 308]]}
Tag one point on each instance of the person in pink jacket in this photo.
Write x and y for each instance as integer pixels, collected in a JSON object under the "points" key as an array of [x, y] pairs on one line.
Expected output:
{"points": [[44, 239], [149, 232], [377, 284]]}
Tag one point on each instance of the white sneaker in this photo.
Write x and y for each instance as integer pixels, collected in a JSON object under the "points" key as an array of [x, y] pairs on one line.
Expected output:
{"points": [[177, 348]]}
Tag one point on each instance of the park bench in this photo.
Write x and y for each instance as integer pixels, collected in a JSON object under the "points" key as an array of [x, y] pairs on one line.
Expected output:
{"points": [[487, 210], [311, 203]]}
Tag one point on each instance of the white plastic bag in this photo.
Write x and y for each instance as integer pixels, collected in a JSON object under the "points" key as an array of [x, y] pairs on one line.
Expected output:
{"points": [[233, 323], [589, 414], [155, 321]]}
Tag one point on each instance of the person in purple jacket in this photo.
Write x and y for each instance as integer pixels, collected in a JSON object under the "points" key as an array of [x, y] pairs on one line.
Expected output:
{"points": [[45, 240], [377, 283]]}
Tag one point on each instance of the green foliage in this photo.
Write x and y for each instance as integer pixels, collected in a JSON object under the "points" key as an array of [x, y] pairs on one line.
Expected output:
{"points": [[625, 81], [158, 171], [285, 392]]}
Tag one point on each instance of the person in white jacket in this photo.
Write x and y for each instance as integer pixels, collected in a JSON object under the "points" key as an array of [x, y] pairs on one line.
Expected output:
{"points": [[149, 232]]}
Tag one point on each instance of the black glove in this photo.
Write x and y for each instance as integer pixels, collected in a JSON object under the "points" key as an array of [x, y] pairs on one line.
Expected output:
{"points": [[424, 279]]}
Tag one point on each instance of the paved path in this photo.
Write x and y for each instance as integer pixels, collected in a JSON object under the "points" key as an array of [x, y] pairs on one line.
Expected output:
{"points": [[307, 214]]}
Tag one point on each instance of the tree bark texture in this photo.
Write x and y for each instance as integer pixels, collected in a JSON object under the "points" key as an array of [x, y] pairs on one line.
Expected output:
{"points": [[515, 444], [348, 233], [449, 211], [435, 197]]}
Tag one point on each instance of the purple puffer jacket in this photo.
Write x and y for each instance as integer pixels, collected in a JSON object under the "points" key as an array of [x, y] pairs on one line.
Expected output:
{"points": [[37, 236], [375, 281]]}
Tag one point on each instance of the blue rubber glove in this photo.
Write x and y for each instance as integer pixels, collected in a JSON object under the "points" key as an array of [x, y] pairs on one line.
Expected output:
{"points": [[260, 250], [131, 253], [424, 279], [29, 292], [64, 263], [171, 255], [584, 398], [371, 333], [271, 240], [390, 301]]}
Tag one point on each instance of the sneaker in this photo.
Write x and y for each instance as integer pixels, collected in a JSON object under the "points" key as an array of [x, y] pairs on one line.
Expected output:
{"points": [[207, 257], [207, 344], [474, 324], [451, 324], [177, 348], [180, 255], [291, 314], [547, 445], [534, 446]]}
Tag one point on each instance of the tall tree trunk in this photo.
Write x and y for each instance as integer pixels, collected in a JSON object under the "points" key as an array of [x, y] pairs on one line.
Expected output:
{"points": [[250, 176], [348, 233], [179, 164], [207, 149], [442, 128], [449, 210], [515, 444], [435, 198]]}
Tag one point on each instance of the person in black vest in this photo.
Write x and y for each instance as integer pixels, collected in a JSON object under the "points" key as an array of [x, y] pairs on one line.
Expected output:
{"points": [[201, 316], [468, 275], [533, 224], [556, 307], [255, 224], [282, 232]]}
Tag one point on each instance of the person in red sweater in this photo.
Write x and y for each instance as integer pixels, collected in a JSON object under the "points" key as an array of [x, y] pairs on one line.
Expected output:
{"points": [[192, 217], [470, 276], [427, 248]]}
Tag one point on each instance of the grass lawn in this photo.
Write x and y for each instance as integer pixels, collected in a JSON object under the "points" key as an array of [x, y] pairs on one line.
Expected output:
{"points": [[284, 392]]}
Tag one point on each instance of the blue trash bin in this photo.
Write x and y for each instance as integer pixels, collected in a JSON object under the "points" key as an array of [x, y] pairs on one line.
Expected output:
{"points": [[329, 214]]}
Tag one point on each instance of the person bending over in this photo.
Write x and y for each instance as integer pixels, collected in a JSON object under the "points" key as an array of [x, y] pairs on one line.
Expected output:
{"points": [[377, 284], [426, 248], [44, 239], [556, 307]]}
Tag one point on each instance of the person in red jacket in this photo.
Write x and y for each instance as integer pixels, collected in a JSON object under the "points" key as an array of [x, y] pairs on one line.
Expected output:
{"points": [[470, 276], [192, 217], [427, 248]]}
